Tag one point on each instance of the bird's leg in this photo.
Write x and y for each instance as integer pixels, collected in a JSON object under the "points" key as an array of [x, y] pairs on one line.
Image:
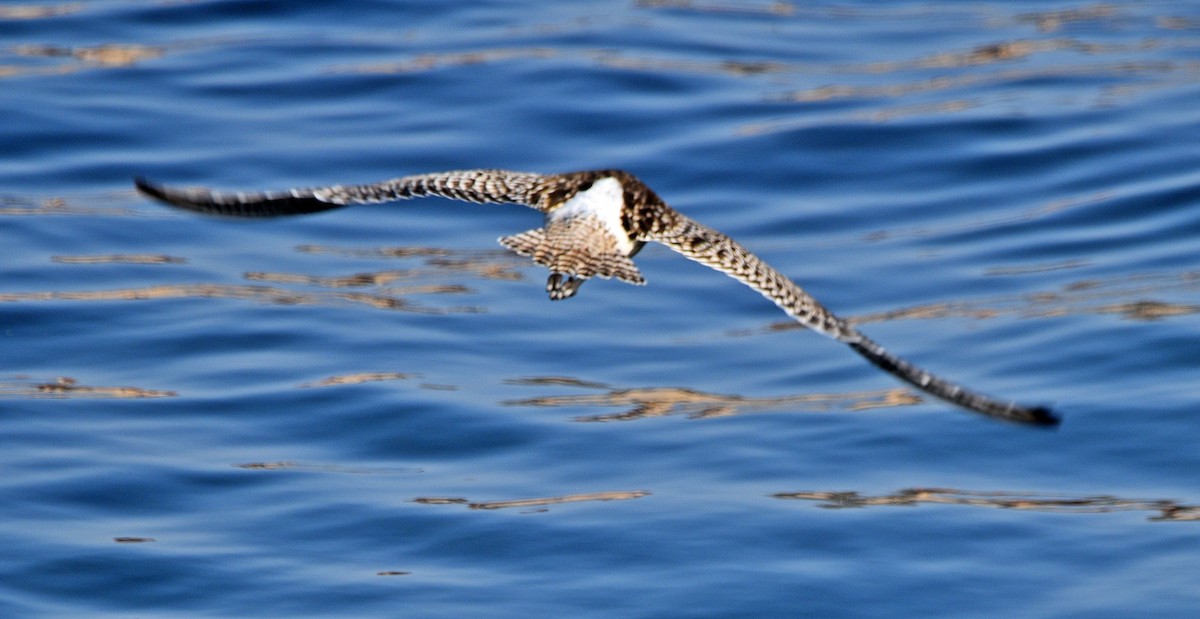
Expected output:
{"points": [[560, 289]]}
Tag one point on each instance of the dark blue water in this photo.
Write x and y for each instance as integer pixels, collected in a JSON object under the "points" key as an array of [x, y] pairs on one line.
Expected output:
{"points": [[345, 414]]}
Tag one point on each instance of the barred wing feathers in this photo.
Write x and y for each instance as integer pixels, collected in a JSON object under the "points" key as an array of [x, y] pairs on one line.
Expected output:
{"points": [[480, 186], [716, 250]]}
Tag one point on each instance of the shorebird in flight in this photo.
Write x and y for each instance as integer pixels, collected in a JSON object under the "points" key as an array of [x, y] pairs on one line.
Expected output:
{"points": [[595, 222]]}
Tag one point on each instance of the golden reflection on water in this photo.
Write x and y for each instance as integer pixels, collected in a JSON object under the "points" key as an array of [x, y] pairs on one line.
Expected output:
{"points": [[648, 402], [1167, 510], [356, 379], [937, 70], [429, 62], [1050, 21], [485, 263], [16, 206], [438, 264], [1125, 296], [1178, 23], [359, 280], [67, 387], [38, 11], [562, 381], [541, 502], [119, 259], [1136, 63], [1187, 71], [264, 294], [728, 6], [102, 55], [328, 468], [1134, 297], [72, 59]]}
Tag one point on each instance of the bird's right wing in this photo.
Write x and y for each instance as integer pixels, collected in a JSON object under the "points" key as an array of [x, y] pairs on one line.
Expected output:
{"points": [[480, 186], [718, 251]]}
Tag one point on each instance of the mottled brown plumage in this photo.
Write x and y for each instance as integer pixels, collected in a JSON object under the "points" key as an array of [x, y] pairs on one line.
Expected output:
{"points": [[595, 222]]}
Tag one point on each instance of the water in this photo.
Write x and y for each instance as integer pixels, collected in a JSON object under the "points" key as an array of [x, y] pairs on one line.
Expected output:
{"points": [[204, 417]]}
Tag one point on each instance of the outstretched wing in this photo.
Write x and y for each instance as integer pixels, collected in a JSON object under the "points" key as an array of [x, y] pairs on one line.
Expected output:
{"points": [[479, 186], [712, 248]]}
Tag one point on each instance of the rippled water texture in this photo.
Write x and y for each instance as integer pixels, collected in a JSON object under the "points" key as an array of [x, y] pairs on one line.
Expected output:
{"points": [[377, 412]]}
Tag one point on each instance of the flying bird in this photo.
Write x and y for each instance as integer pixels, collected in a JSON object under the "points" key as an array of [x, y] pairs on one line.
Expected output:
{"points": [[595, 222]]}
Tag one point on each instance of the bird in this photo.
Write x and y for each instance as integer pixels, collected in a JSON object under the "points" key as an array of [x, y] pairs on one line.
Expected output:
{"points": [[595, 222]]}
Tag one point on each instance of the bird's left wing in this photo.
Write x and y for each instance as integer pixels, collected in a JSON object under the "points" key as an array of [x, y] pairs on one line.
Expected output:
{"points": [[480, 186]]}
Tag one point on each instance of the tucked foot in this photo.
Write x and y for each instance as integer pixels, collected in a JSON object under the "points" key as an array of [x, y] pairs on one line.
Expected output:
{"points": [[560, 288]]}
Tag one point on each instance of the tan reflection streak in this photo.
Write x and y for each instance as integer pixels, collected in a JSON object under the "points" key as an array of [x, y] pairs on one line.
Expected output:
{"points": [[942, 107], [266, 466], [1178, 23], [1077, 297], [355, 379], [20, 71], [1167, 509], [66, 387], [440, 500], [265, 294], [483, 268], [29, 11], [1182, 72], [54, 206], [103, 55], [395, 303], [986, 54], [556, 500], [664, 401], [829, 92], [919, 312], [1146, 310], [384, 252], [326, 468], [1050, 21], [769, 8], [615, 60], [1037, 268], [539, 502], [113, 55], [979, 55], [1081, 297], [565, 381], [119, 259], [488, 264], [428, 62], [879, 115], [349, 281], [604, 58], [1002, 219]]}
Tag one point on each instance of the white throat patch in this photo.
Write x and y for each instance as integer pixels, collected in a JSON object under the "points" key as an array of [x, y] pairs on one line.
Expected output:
{"points": [[605, 201]]}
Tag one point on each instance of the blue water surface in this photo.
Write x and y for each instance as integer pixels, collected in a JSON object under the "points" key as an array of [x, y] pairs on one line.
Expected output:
{"points": [[377, 412]]}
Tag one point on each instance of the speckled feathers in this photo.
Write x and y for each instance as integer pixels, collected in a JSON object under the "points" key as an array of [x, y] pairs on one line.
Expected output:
{"points": [[595, 222]]}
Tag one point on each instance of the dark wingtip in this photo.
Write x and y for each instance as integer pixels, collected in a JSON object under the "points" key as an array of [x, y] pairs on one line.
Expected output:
{"points": [[252, 204], [1042, 416], [150, 189]]}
